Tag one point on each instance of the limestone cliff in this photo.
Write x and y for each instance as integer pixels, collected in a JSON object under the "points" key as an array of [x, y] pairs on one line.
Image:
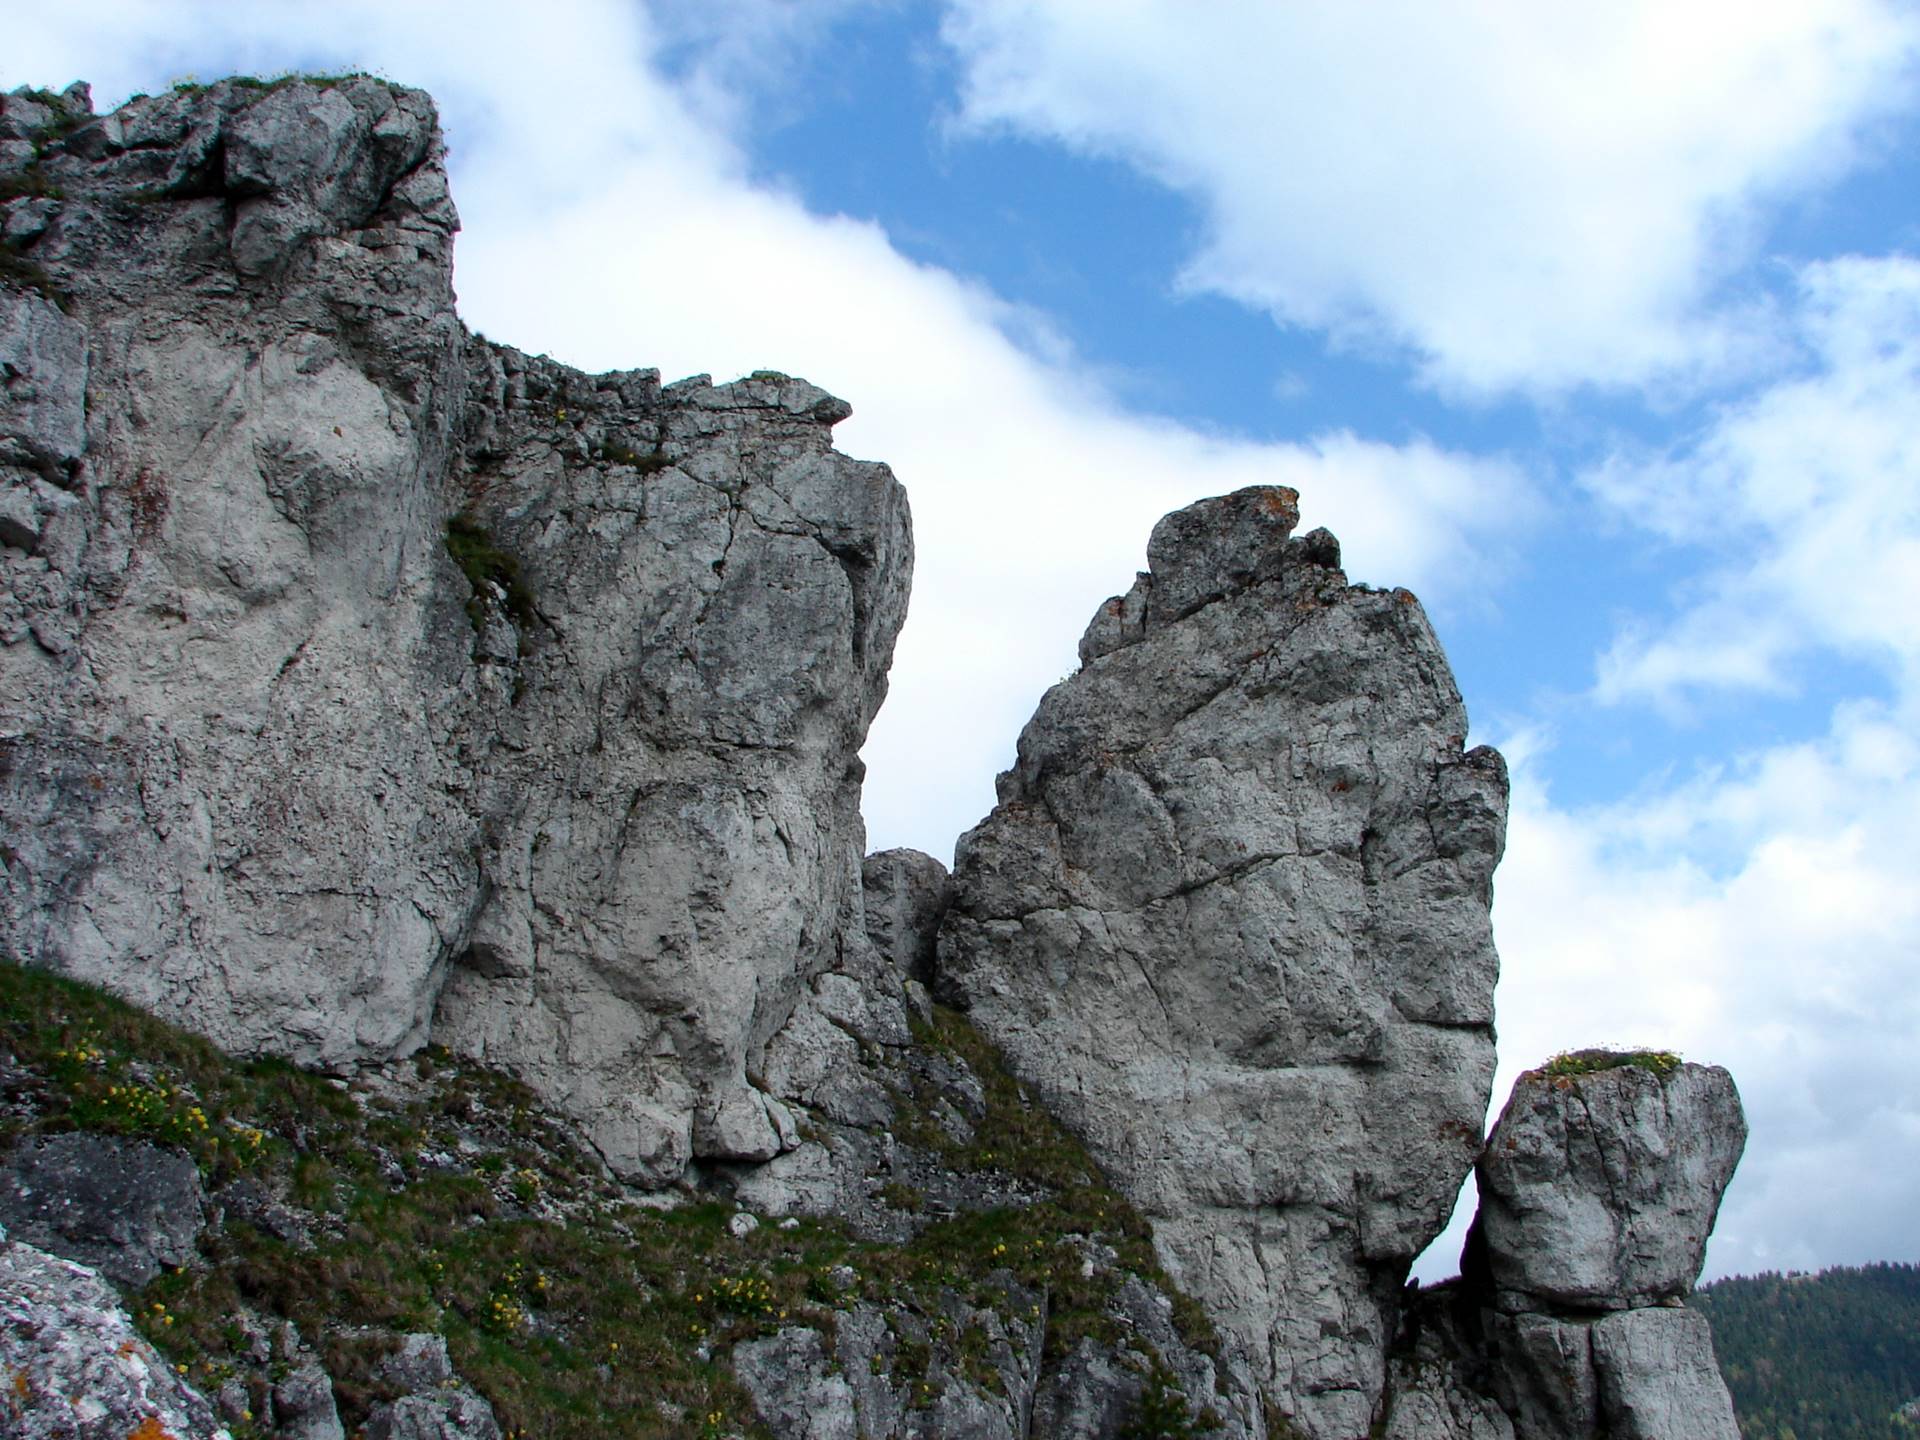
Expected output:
{"points": [[274, 765], [366, 684]]}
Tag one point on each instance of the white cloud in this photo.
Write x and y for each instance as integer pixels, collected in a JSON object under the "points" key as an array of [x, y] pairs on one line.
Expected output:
{"points": [[1762, 914], [611, 224], [1529, 196], [1790, 958], [1804, 496]]}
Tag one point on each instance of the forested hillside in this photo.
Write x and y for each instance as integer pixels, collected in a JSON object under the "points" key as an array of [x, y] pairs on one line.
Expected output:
{"points": [[1831, 1356]]}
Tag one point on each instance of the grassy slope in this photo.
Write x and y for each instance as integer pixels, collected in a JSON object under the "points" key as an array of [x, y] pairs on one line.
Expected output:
{"points": [[450, 1202]]}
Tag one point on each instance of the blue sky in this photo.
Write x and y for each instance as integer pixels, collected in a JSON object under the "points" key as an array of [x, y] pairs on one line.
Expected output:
{"points": [[1598, 327]]}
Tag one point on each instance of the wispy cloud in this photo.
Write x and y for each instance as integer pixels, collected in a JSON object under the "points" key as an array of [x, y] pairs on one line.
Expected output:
{"points": [[1801, 497]]}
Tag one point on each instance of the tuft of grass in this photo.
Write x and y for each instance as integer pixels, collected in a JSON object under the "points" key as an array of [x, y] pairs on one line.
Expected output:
{"points": [[647, 462], [267, 84], [1570, 1064], [485, 565], [1042, 1245]]}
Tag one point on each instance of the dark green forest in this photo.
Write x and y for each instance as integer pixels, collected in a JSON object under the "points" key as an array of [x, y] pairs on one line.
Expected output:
{"points": [[1827, 1356]]}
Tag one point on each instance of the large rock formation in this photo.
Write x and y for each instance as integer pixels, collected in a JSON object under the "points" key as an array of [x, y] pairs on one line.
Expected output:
{"points": [[364, 682], [1229, 918], [274, 765]]}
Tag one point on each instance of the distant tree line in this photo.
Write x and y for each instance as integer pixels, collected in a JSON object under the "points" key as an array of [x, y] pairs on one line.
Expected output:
{"points": [[1826, 1356]]}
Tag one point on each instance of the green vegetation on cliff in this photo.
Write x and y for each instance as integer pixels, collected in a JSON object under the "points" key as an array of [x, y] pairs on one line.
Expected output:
{"points": [[437, 1196]]}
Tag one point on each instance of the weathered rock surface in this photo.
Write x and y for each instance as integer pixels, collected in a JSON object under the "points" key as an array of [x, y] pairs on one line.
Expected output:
{"points": [[75, 1367], [1229, 919], [303, 1406], [128, 1208], [906, 897], [1599, 1191], [272, 764]]}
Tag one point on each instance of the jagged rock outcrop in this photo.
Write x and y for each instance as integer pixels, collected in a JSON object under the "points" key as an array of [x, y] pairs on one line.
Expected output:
{"points": [[363, 682], [1229, 918], [272, 764]]}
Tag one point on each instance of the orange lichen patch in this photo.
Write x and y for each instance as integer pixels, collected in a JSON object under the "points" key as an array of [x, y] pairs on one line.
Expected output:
{"points": [[150, 1429], [1279, 499], [22, 1386]]}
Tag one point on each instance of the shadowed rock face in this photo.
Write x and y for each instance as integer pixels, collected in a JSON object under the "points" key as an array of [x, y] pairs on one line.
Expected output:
{"points": [[272, 765], [1229, 918]]}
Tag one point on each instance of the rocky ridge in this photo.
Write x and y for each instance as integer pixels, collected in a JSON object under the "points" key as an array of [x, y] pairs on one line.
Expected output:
{"points": [[371, 685]]}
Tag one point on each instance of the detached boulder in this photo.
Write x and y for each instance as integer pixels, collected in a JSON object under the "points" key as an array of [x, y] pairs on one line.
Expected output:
{"points": [[1598, 1190], [127, 1207], [906, 896], [1599, 1186]]}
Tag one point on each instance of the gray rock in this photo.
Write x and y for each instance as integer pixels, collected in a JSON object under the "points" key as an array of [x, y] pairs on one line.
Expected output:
{"points": [[275, 767], [1599, 1191], [19, 515], [1229, 919], [129, 1208], [1659, 1379], [421, 1363], [906, 894], [438, 1405], [43, 368], [1642, 1374], [303, 1407], [789, 1377], [1436, 1377], [457, 1413], [77, 1368]]}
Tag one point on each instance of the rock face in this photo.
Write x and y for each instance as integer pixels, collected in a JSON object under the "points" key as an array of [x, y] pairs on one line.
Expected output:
{"points": [[1229, 918], [272, 764], [126, 1207]]}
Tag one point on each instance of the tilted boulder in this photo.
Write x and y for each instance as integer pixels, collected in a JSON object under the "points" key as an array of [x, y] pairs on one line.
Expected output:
{"points": [[1598, 1190], [277, 762], [1230, 920]]}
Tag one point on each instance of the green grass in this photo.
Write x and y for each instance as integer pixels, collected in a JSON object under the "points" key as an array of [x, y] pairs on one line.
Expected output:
{"points": [[1574, 1063], [269, 83], [483, 562]]}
